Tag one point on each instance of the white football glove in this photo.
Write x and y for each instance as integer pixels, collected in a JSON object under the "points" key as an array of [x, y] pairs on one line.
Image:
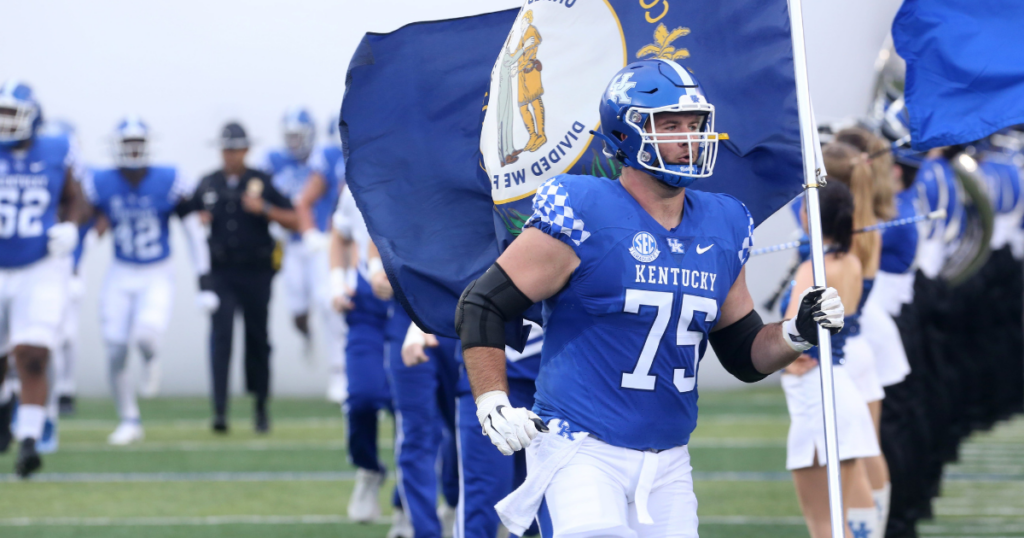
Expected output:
{"points": [[314, 240], [63, 238], [208, 301], [509, 428], [818, 306]]}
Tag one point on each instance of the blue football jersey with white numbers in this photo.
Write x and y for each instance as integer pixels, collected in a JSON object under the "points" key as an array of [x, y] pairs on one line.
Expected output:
{"points": [[624, 338], [31, 183], [330, 163], [139, 215]]}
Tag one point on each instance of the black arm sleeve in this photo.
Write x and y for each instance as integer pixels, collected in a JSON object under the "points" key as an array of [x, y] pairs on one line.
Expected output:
{"points": [[486, 304], [733, 345]]}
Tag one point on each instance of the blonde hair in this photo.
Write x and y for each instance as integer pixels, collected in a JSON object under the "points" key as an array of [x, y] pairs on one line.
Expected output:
{"points": [[846, 164], [528, 16], [880, 160]]}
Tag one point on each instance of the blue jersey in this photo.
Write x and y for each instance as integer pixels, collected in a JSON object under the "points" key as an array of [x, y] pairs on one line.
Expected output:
{"points": [[899, 243], [290, 176], [31, 184], [624, 338], [330, 163], [139, 214]]}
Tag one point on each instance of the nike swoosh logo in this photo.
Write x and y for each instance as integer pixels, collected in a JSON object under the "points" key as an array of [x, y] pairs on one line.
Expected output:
{"points": [[702, 250]]}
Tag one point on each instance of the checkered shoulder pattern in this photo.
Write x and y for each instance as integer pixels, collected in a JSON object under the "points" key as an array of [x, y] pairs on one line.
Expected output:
{"points": [[748, 241], [553, 214]]}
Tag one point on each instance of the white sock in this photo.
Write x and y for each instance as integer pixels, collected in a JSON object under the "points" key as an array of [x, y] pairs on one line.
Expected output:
{"points": [[124, 392], [863, 522], [6, 391], [30, 422], [882, 497]]}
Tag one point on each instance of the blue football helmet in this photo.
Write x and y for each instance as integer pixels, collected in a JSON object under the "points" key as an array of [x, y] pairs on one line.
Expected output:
{"points": [[131, 143], [299, 133], [20, 113], [635, 94]]}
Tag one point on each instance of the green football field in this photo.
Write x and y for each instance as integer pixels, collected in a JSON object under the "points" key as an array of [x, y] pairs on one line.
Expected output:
{"points": [[184, 481]]}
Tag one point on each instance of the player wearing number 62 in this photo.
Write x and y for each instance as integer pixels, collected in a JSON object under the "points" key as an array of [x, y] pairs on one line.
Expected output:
{"points": [[637, 276], [37, 189], [135, 201]]}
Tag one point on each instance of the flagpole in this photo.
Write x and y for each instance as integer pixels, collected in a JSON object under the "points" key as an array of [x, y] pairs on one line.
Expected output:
{"points": [[813, 170]]}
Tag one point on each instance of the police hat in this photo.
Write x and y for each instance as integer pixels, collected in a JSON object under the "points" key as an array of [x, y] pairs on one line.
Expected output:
{"points": [[233, 136]]}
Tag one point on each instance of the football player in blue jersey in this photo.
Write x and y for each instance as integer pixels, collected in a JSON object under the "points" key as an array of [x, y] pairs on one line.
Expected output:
{"points": [[41, 207], [637, 277], [369, 392], [136, 200], [304, 265], [314, 204]]}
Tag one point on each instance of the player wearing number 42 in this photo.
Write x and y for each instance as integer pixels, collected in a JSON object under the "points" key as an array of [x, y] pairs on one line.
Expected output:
{"points": [[637, 276], [136, 200]]}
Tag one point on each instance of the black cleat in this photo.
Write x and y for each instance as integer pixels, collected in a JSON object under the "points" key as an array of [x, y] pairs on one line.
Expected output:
{"points": [[28, 459], [66, 406], [5, 425], [261, 420], [220, 425]]}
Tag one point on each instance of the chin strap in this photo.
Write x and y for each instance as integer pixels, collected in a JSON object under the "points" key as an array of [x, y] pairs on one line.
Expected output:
{"points": [[614, 144]]}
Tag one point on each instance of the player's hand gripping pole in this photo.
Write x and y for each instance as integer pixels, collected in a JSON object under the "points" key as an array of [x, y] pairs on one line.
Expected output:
{"points": [[813, 170]]}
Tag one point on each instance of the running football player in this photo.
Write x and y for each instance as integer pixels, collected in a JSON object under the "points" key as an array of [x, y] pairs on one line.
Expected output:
{"points": [[41, 207], [136, 200], [637, 277]]}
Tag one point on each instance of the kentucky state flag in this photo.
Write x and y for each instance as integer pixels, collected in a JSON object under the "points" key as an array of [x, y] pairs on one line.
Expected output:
{"points": [[451, 126], [965, 68]]}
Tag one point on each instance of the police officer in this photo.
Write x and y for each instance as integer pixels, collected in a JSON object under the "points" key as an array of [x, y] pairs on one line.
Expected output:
{"points": [[239, 204]]}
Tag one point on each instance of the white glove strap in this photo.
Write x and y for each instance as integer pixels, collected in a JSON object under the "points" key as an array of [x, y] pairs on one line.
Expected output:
{"points": [[793, 338], [414, 336], [338, 282], [488, 401], [374, 266]]}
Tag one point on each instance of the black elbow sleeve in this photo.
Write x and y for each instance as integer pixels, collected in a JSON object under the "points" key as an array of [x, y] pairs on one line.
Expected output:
{"points": [[486, 304], [733, 346]]}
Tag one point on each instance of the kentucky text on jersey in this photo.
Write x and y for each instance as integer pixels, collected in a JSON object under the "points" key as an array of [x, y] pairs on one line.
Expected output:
{"points": [[623, 340], [139, 214], [31, 183], [675, 276]]}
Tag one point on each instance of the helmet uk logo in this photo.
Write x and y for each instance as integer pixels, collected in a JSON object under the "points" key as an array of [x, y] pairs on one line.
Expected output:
{"points": [[618, 88], [537, 120], [645, 247]]}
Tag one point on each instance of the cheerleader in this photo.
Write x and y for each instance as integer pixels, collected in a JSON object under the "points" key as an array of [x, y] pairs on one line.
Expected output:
{"points": [[801, 381]]}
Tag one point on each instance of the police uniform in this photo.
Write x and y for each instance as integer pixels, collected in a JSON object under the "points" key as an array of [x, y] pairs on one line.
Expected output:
{"points": [[242, 269]]}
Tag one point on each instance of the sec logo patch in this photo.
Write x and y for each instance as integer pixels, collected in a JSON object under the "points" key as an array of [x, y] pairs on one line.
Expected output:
{"points": [[645, 247]]}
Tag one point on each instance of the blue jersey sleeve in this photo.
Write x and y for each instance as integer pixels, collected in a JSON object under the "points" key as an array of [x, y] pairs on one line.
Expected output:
{"points": [[745, 237], [554, 214]]}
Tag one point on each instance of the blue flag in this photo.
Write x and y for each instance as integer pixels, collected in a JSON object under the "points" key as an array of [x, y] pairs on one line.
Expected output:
{"points": [[451, 126], [965, 68]]}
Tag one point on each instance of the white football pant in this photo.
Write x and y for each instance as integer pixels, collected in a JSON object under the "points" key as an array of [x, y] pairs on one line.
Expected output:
{"points": [[596, 494], [32, 302]]}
